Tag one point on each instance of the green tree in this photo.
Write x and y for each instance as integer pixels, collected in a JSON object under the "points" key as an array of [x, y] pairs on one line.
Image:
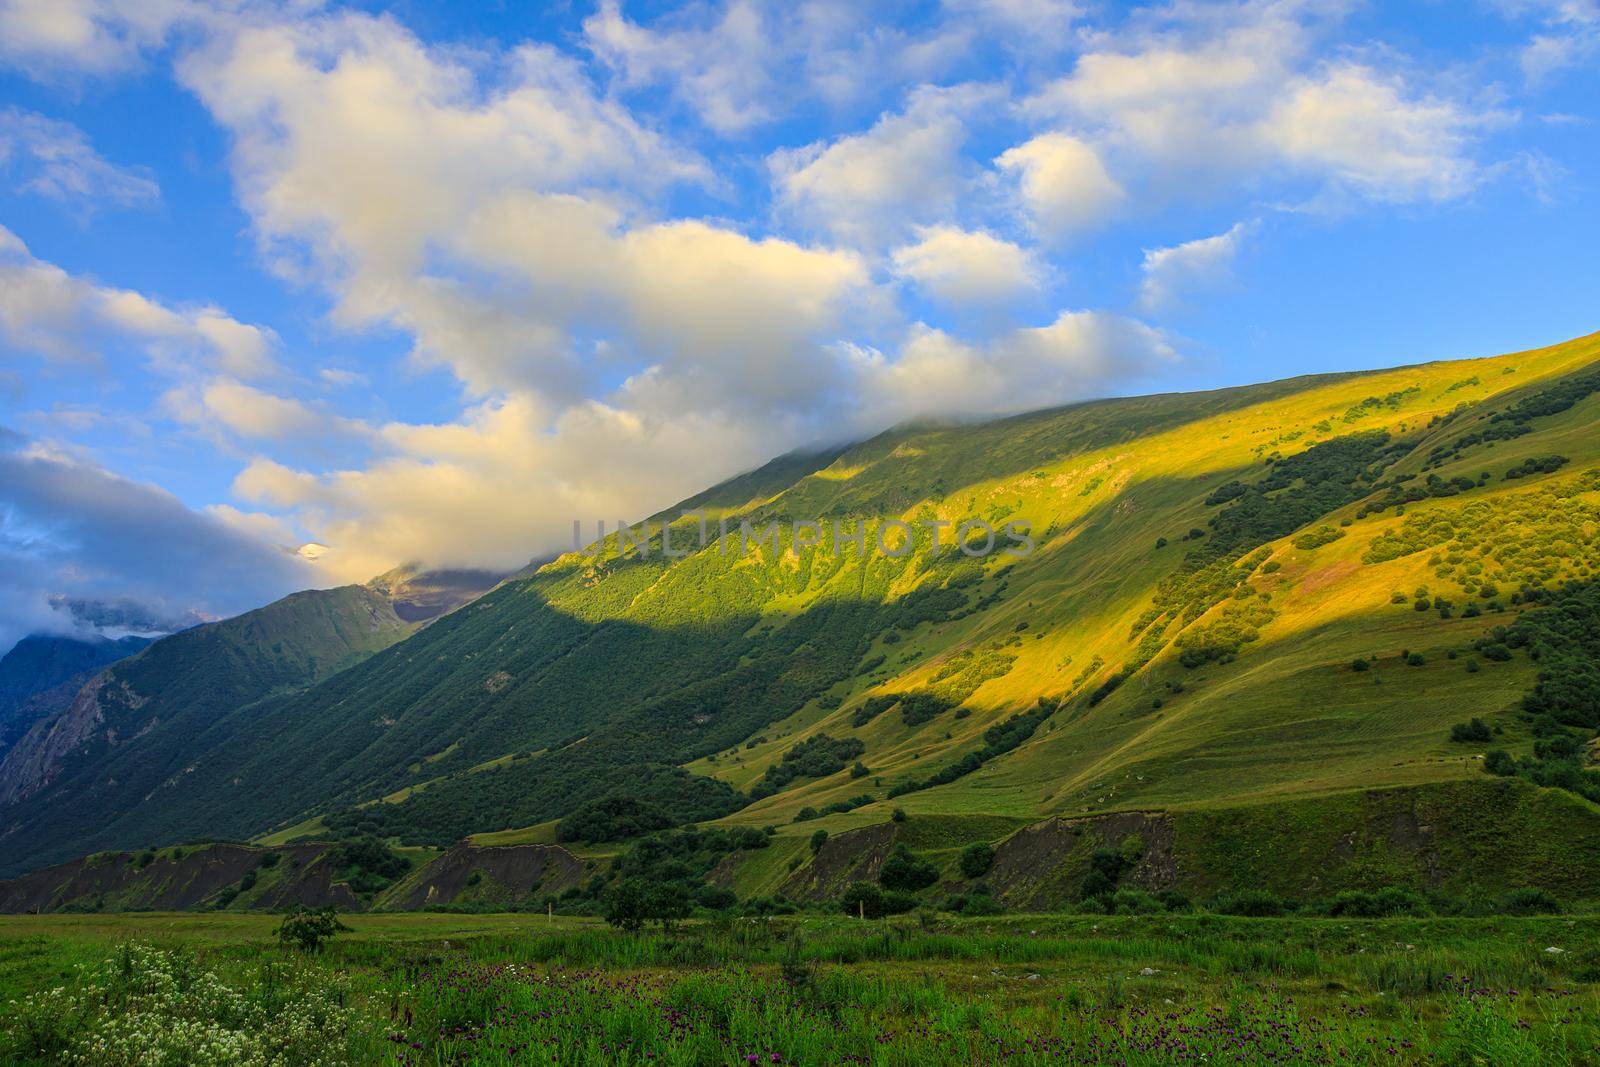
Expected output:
{"points": [[976, 859]]}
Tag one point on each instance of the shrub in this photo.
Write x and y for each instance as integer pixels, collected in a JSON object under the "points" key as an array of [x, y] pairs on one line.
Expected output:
{"points": [[1252, 903], [1416, 659], [907, 872], [863, 899], [1529, 902], [898, 815], [1131, 851], [627, 904], [1472, 731], [1385, 902], [976, 859], [612, 818], [1499, 762], [1135, 902], [817, 839], [1359, 665], [308, 930], [715, 897]]}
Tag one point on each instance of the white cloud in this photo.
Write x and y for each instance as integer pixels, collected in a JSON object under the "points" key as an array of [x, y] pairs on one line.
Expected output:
{"points": [[742, 64], [1062, 184], [867, 188], [723, 71], [1240, 92], [1193, 265], [52, 37], [48, 312], [54, 159], [1072, 357], [1569, 35], [968, 268]]}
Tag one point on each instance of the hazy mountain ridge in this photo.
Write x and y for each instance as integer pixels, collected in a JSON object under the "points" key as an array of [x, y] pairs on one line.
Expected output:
{"points": [[146, 721]]}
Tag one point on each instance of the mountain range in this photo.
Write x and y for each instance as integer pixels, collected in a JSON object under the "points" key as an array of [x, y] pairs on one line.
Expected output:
{"points": [[1270, 601]]}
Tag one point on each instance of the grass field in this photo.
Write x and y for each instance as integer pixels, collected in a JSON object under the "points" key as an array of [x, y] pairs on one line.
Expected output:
{"points": [[433, 989]]}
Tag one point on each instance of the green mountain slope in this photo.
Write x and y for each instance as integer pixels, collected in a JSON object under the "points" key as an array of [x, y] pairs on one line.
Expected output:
{"points": [[140, 726], [1208, 569]]}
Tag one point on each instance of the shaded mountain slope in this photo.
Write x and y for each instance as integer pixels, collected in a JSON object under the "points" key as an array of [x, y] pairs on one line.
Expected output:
{"points": [[43, 672], [145, 723]]}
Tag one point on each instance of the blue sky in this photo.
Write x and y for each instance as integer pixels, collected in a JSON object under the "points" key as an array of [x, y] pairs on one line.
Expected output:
{"points": [[426, 281]]}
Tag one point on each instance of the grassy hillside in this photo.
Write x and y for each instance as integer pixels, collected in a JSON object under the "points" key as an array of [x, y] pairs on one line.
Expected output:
{"points": [[1208, 570]]}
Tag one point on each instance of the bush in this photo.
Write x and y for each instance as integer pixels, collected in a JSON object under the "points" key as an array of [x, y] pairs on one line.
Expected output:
{"points": [[1135, 902], [308, 930], [898, 815], [1252, 903], [612, 818], [1385, 902], [1500, 762], [863, 899], [1416, 659], [906, 872], [715, 897], [976, 859], [1529, 902], [817, 839], [1475, 730], [1360, 665]]}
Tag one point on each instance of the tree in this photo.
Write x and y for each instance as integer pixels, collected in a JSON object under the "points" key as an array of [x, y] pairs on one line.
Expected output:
{"points": [[817, 839], [627, 905], [906, 872], [976, 859], [864, 899], [307, 929], [668, 904]]}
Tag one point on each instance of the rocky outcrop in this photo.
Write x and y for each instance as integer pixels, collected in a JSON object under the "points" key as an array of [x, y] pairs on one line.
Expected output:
{"points": [[33, 762]]}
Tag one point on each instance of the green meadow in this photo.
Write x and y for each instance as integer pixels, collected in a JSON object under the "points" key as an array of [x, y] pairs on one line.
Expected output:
{"points": [[501, 989]]}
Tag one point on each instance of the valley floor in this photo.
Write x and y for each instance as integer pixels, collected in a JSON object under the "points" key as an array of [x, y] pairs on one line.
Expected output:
{"points": [[498, 989]]}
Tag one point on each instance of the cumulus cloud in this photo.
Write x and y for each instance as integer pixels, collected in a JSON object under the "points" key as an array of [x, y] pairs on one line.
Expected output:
{"points": [[747, 63], [70, 531], [968, 268], [55, 37], [514, 219], [55, 159], [1069, 358], [1062, 184], [723, 71], [50, 313], [1240, 91], [1194, 265], [867, 188]]}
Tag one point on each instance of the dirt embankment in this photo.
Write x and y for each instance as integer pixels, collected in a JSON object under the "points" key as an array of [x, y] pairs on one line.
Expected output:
{"points": [[501, 874], [1041, 866], [851, 856], [179, 880]]}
